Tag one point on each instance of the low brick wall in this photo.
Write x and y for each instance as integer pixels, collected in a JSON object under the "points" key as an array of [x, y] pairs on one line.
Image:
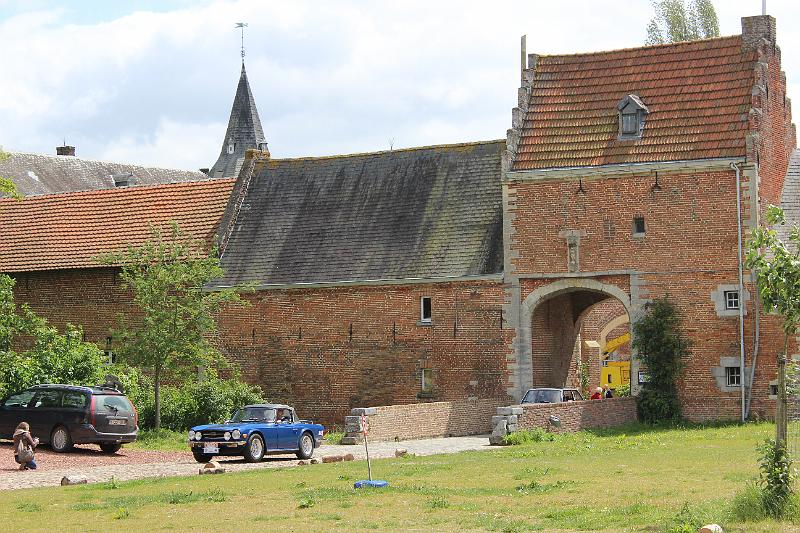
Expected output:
{"points": [[572, 416], [423, 420]]}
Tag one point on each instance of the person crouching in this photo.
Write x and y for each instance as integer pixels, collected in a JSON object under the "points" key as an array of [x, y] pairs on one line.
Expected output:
{"points": [[24, 445]]}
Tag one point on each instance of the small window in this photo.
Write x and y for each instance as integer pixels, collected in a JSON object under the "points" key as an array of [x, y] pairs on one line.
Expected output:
{"points": [[231, 148], [773, 389], [630, 124], [425, 309], [21, 399], [427, 380], [47, 399], [733, 376], [731, 300], [610, 379], [638, 225], [111, 357]]}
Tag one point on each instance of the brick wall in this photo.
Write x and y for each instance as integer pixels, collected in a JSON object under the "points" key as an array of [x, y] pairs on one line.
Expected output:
{"points": [[575, 416], [426, 420], [329, 350]]}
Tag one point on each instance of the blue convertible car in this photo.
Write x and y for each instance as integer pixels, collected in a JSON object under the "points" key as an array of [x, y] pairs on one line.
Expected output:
{"points": [[256, 430]]}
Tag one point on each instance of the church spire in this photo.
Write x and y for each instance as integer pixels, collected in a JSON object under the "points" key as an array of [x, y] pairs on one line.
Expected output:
{"points": [[244, 132]]}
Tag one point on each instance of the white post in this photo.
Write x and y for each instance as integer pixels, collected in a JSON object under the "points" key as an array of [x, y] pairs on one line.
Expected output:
{"points": [[364, 428]]}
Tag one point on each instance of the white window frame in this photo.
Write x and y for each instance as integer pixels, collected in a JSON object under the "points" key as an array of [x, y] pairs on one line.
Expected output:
{"points": [[731, 372], [422, 318], [729, 296]]}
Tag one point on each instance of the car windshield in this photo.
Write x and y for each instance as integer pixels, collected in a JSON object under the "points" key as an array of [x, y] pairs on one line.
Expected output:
{"points": [[254, 414], [542, 396]]}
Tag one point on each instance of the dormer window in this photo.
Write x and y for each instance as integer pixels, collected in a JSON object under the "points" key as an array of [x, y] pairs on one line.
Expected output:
{"points": [[231, 148], [632, 113]]}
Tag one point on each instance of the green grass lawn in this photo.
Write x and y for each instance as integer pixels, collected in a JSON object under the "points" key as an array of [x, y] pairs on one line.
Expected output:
{"points": [[634, 480]]}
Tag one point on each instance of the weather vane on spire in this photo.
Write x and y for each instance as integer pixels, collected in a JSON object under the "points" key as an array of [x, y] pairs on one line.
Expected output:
{"points": [[242, 25]]}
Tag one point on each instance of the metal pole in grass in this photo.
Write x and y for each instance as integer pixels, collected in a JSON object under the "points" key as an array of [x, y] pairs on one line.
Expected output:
{"points": [[368, 482], [365, 429]]}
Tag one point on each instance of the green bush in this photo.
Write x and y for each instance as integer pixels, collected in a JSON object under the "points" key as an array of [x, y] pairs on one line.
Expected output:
{"points": [[775, 477], [623, 391], [655, 406], [194, 403]]}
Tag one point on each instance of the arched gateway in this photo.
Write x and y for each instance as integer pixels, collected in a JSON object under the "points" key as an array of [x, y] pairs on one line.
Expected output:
{"points": [[548, 344]]}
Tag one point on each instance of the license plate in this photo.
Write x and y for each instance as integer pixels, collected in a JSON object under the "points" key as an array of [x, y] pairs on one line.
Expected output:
{"points": [[117, 422], [210, 447]]}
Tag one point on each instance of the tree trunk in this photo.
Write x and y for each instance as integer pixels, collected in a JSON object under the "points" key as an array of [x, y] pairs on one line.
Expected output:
{"points": [[781, 410], [157, 389]]}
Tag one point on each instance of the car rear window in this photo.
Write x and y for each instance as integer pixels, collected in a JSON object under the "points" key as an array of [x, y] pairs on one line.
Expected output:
{"points": [[104, 402]]}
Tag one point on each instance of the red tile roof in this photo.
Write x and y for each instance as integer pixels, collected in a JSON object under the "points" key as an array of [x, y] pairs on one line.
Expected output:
{"points": [[65, 231], [698, 94]]}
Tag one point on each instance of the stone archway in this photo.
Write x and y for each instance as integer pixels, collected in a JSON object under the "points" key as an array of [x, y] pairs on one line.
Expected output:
{"points": [[570, 297]]}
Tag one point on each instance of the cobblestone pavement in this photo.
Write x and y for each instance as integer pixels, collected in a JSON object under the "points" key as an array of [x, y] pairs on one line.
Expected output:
{"points": [[134, 465]]}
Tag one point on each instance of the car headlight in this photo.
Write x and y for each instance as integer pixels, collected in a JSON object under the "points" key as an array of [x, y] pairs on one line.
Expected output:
{"points": [[198, 436], [227, 435], [236, 434], [191, 434]]}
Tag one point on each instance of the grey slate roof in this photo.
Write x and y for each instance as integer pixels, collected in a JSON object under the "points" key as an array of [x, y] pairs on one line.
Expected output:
{"points": [[790, 196], [36, 174], [244, 132], [417, 213]]}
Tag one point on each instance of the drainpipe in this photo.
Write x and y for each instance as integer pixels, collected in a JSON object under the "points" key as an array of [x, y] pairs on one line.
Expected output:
{"points": [[742, 368]]}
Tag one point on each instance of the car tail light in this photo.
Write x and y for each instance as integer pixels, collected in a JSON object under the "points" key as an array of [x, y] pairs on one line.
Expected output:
{"points": [[92, 420], [135, 416]]}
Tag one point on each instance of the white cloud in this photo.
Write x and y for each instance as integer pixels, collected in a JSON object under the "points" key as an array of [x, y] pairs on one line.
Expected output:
{"points": [[328, 77]]}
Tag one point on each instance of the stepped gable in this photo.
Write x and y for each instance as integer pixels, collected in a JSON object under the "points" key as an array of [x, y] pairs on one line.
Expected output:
{"points": [[417, 213], [244, 132], [36, 174], [68, 231], [698, 95]]}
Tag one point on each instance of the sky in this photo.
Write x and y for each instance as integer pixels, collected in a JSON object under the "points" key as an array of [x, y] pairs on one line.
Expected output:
{"points": [[152, 81]]}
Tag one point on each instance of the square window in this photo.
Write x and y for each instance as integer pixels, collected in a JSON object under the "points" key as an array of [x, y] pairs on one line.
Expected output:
{"points": [[731, 299], [425, 309], [773, 389], [638, 225], [733, 376], [427, 380]]}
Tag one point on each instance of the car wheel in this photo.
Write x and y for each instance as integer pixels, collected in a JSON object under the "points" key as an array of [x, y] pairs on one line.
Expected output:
{"points": [[306, 449], [201, 457], [110, 447], [254, 449], [61, 440]]}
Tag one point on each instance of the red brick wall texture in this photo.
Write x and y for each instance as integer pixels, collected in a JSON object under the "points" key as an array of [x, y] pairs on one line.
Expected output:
{"points": [[575, 416]]}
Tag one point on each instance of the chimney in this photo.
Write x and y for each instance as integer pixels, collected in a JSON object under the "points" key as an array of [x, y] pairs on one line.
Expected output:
{"points": [[756, 28], [65, 150]]}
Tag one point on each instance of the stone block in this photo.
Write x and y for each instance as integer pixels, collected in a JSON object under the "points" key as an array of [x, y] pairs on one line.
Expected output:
{"points": [[74, 480], [302, 463], [512, 419], [517, 410], [505, 411], [497, 418], [205, 470], [212, 464], [711, 528], [400, 452], [496, 440], [315, 461], [352, 439], [500, 429], [348, 457], [358, 411], [332, 459], [511, 428]]}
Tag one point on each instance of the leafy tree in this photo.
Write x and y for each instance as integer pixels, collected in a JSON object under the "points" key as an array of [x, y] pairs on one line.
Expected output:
{"points": [[50, 357], [175, 315], [7, 187], [662, 347], [676, 21]]}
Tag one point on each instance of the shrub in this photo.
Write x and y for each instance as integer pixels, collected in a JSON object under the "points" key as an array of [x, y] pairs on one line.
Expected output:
{"points": [[655, 406], [662, 348], [623, 391], [775, 477]]}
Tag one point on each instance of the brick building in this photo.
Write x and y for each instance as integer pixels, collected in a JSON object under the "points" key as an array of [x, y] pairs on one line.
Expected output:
{"points": [[478, 270]]}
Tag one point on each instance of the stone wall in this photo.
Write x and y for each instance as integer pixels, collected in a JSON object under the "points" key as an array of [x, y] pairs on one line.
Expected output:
{"points": [[423, 420], [563, 417]]}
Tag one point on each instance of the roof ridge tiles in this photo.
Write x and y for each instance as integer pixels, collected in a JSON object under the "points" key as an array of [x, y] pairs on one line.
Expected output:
{"points": [[665, 46], [69, 159], [392, 151]]}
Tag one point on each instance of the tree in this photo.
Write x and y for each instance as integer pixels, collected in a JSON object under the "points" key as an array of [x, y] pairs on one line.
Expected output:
{"points": [[51, 357], [7, 187], [176, 315], [676, 21], [662, 348], [777, 268]]}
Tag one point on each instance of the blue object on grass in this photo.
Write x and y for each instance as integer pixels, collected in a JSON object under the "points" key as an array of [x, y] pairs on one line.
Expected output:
{"points": [[370, 483]]}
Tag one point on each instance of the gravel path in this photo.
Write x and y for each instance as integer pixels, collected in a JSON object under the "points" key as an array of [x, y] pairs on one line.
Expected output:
{"points": [[89, 462]]}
